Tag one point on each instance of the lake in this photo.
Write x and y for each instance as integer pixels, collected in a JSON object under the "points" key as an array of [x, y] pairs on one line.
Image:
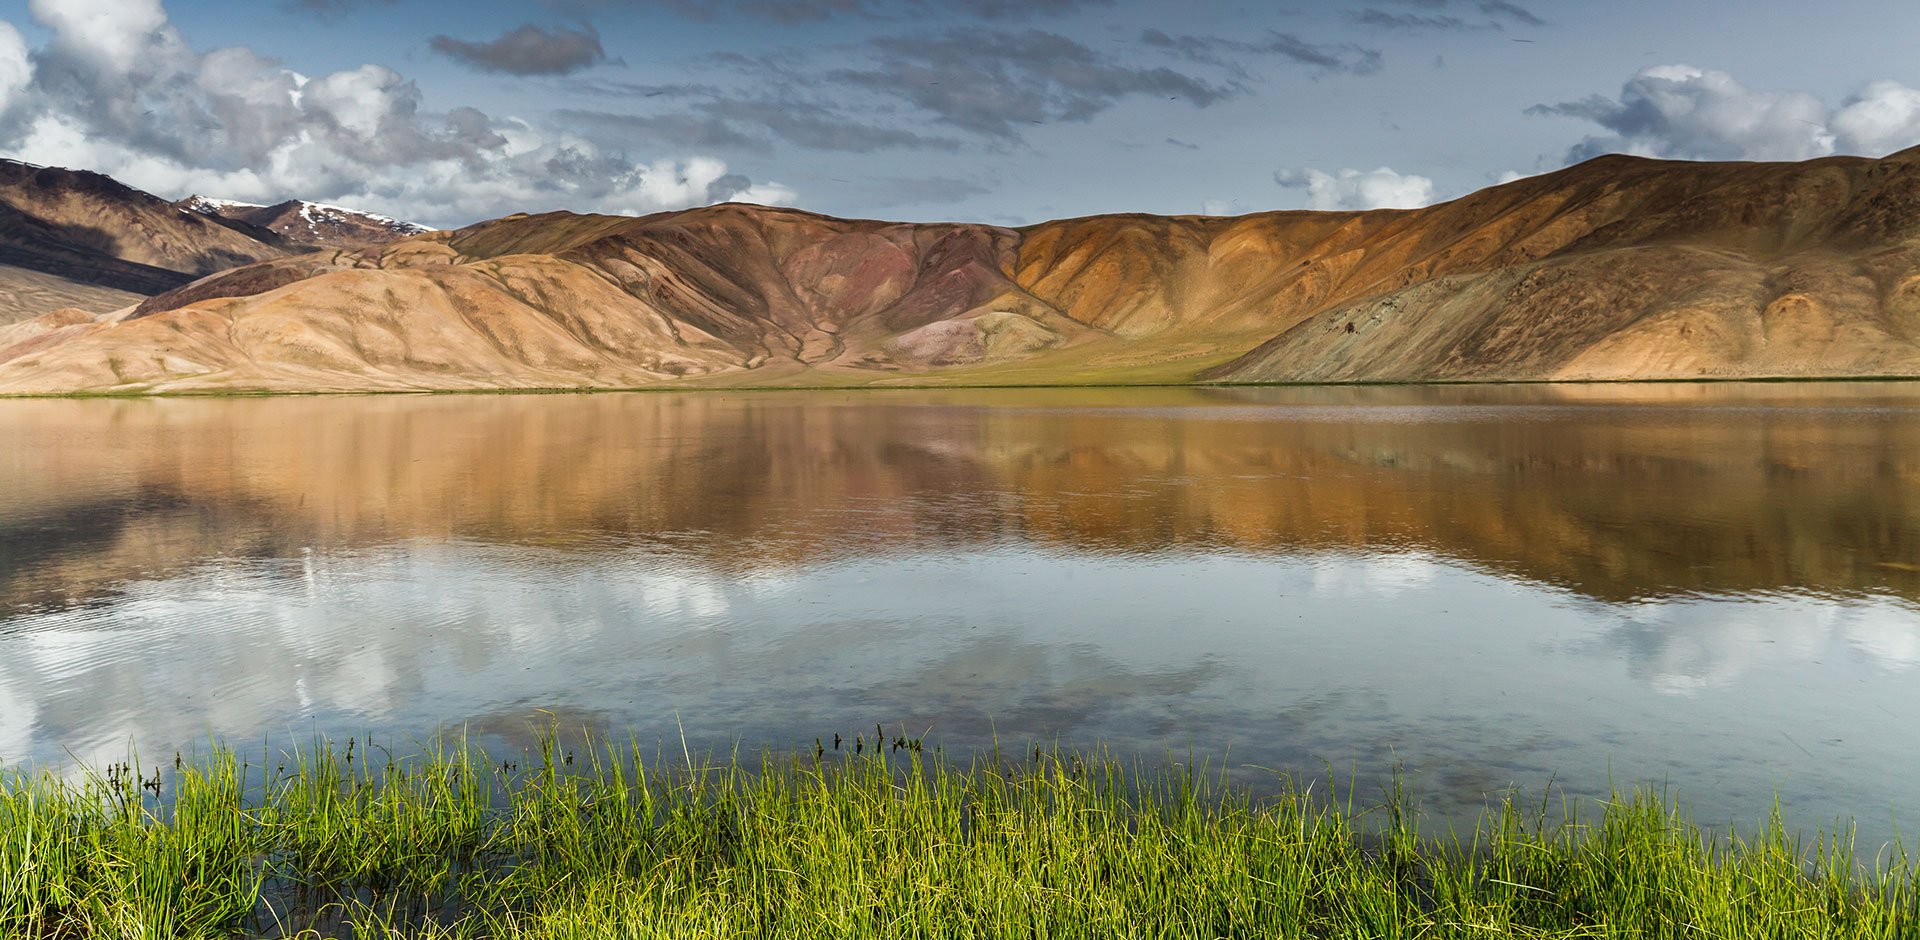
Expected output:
{"points": [[1713, 587]]}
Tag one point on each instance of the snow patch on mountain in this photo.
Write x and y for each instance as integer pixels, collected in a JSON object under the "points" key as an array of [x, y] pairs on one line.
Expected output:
{"points": [[207, 205], [318, 213]]}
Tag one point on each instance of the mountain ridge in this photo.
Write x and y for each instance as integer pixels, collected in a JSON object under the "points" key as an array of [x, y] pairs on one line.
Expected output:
{"points": [[1617, 268], [308, 225]]}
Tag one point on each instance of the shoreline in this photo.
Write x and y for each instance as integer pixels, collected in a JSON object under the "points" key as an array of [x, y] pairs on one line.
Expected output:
{"points": [[871, 387]]}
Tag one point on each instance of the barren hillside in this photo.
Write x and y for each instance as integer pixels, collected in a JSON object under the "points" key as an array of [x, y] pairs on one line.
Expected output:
{"points": [[1619, 268]]}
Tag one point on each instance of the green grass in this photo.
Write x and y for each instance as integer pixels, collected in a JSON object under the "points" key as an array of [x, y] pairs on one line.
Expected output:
{"points": [[593, 841]]}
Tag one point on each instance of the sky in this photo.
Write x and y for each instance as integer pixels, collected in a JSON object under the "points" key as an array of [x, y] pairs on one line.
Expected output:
{"points": [[994, 111]]}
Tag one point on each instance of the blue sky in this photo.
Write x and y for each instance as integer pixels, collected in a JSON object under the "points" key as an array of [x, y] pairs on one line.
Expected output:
{"points": [[987, 110]]}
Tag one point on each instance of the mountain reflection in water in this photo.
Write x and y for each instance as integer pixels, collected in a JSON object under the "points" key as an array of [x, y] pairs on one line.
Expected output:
{"points": [[1714, 585]]}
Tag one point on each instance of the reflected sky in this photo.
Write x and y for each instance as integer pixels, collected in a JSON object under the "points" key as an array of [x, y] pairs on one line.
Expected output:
{"points": [[1711, 586]]}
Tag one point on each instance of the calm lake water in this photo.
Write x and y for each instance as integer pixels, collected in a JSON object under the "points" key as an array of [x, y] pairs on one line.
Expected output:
{"points": [[1716, 587]]}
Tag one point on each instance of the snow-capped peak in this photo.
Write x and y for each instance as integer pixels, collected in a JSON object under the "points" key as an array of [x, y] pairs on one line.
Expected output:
{"points": [[206, 205], [307, 223]]}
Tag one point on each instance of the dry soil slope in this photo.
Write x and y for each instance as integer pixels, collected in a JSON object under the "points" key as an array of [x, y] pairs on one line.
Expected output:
{"points": [[26, 293], [562, 300], [1617, 268], [1680, 270]]}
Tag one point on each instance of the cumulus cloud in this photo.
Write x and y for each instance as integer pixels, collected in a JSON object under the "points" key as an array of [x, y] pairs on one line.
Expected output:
{"points": [[107, 33], [1882, 118], [1354, 190], [1683, 112], [527, 50], [118, 90]]}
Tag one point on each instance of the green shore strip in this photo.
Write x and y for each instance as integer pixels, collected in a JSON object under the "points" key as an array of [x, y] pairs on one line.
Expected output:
{"points": [[891, 842]]}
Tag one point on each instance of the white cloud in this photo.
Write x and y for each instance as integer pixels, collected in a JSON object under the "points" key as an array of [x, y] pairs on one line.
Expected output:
{"points": [[112, 34], [1683, 112], [1882, 118], [1357, 189], [360, 101], [766, 194], [118, 90]]}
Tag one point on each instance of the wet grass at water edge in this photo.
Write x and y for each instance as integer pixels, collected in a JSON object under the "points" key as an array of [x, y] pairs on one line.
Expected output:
{"points": [[592, 840]]}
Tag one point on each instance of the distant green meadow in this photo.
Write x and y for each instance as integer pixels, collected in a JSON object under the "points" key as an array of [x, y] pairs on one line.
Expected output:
{"points": [[876, 837]]}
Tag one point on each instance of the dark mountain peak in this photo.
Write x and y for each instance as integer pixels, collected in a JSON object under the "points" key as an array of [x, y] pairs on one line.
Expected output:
{"points": [[60, 181]]}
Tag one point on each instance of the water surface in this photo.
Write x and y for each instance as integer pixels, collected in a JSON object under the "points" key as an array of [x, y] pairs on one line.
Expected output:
{"points": [[1713, 586]]}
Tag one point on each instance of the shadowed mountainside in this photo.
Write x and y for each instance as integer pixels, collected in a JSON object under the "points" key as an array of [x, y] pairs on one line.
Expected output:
{"points": [[94, 230], [1619, 268]]}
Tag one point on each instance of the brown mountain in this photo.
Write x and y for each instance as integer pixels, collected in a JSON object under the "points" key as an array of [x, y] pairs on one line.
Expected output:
{"points": [[1619, 268], [308, 225], [72, 238]]}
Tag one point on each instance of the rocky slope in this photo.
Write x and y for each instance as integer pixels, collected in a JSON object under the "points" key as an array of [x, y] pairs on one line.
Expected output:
{"points": [[1619, 268]]}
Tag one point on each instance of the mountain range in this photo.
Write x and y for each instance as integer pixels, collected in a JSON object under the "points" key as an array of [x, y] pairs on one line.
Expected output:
{"points": [[1617, 268], [307, 225]]}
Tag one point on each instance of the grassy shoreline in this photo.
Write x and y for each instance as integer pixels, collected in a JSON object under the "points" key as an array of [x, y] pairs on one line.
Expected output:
{"points": [[590, 840]]}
